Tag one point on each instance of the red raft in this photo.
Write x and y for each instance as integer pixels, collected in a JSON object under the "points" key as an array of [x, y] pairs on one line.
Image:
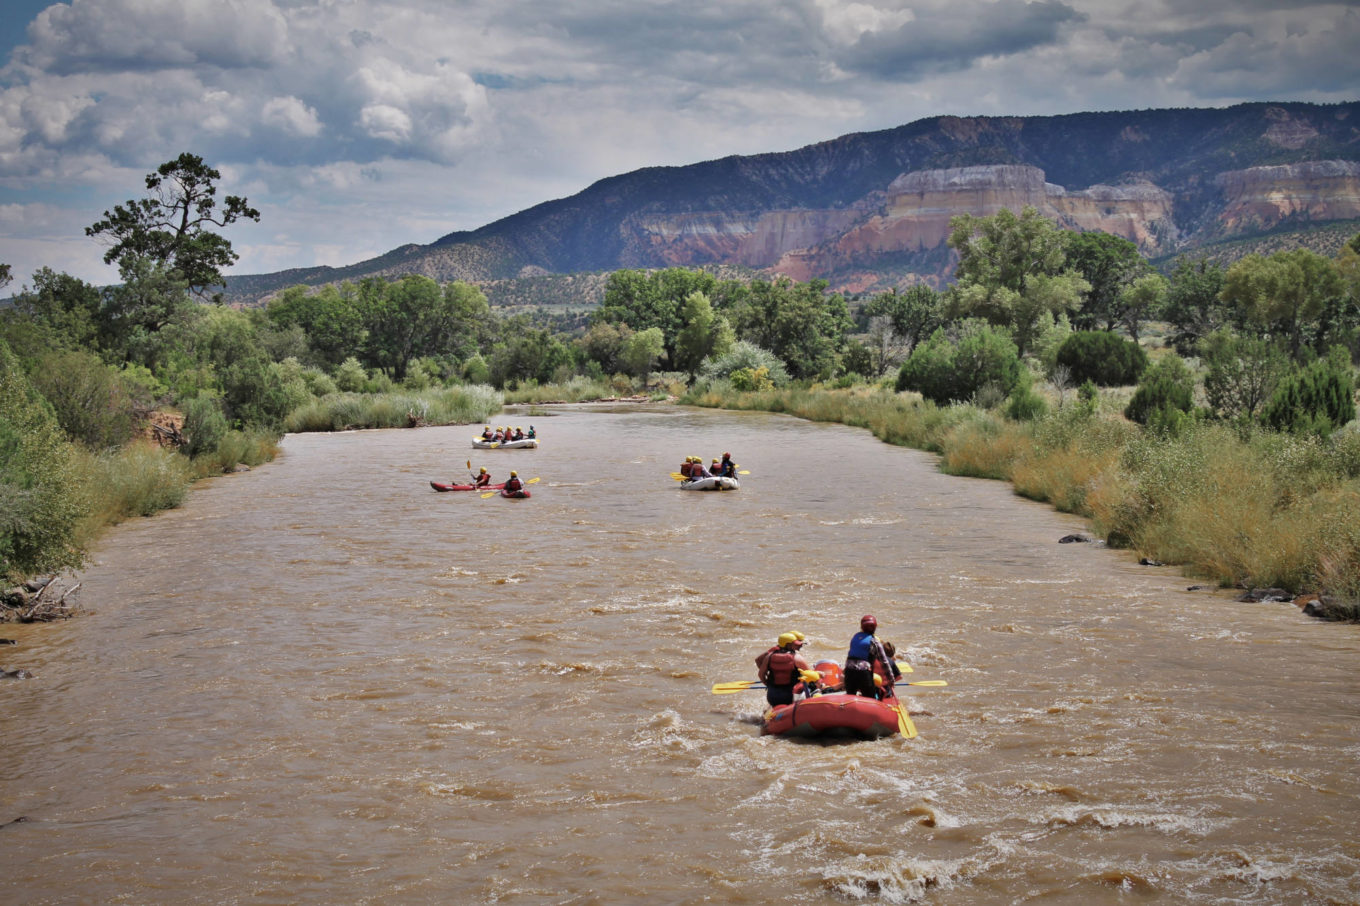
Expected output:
{"points": [[438, 486], [833, 714], [521, 494]]}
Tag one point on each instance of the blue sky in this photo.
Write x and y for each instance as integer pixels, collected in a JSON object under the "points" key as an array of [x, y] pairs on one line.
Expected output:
{"points": [[356, 126]]}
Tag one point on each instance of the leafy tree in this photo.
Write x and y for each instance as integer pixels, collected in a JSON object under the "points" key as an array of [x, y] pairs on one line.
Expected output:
{"points": [[603, 343], [642, 300], [5, 277], [527, 354], [172, 227], [1109, 264], [1165, 394], [42, 498], [331, 317], [799, 322], [945, 371], [413, 317], [1012, 270], [150, 298], [642, 351], [898, 322], [1241, 373], [1102, 357], [68, 307], [1140, 300], [1283, 295], [703, 335], [1317, 399], [1193, 305]]}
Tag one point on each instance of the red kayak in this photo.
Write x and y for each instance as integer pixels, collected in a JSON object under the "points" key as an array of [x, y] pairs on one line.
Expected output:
{"points": [[466, 487], [521, 494], [832, 714]]}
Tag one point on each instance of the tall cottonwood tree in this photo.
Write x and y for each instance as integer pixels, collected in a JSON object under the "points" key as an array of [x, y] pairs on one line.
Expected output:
{"points": [[1012, 270]]}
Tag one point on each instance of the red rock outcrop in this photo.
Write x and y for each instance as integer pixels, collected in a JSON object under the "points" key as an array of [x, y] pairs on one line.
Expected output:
{"points": [[1262, 197]]}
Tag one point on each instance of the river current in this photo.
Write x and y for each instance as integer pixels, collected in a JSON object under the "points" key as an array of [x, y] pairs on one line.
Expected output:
{"points": [[323, 682]]}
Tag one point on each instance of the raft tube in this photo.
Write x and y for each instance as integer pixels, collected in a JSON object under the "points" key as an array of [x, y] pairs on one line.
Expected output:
{"points": [[832, 714], [526, 444], [521, 494], [715, 483]]}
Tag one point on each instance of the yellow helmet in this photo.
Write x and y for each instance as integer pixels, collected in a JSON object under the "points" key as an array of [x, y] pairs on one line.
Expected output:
{"points": [[514, 474], [799, 636], [788, 639], [810, 676], [482, 469]]}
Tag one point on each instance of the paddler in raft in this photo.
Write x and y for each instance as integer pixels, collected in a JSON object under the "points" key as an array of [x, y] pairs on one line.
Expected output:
{"points": [[864, 659], [487, 433], [781, 668], [727, 468]]}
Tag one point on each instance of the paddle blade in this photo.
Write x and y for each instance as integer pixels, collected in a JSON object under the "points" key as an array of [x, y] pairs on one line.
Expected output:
{"points": [[743, 471], [533, 481], [677, 476], [492, 494], [729, 688], [904, 724], [904, 667], [934, 683]]}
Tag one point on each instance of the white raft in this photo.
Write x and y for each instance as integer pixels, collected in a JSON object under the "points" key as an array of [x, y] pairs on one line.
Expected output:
{"points": [[526, 444], [715, 483]]}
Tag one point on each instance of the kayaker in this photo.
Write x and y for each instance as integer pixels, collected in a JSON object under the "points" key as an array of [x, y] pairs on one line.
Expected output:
{"points": [[513, 483], [483, 478], [860, 660], [780, 669]]}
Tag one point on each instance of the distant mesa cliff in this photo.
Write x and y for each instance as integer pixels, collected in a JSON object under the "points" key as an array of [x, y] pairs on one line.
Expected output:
{"points": [[871, 210]]}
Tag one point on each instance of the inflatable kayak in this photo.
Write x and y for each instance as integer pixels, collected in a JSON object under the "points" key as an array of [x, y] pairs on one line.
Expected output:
{"points": [[438, 486], [526, 444], [716, 483], [521, 494], [832, 714]]}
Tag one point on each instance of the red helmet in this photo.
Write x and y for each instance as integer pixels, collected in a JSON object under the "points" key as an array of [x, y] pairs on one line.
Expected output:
{"points": [[867, 623], [727, 456]]}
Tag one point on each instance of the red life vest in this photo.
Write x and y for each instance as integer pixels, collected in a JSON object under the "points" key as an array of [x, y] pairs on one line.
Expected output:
{"points": [[781, 668]]}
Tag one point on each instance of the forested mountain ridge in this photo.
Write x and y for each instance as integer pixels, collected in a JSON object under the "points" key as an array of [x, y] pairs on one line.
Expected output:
{"points": [[870, 210]]}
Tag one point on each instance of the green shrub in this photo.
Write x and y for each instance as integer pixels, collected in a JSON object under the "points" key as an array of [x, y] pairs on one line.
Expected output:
{"points": [[43, 498], [350, 377], [93, 403], [1168, 385], [748, 356], [1242, 373], [945, 371], [205, 425], [1317, 399], [1024, 404], [1102, 357]]}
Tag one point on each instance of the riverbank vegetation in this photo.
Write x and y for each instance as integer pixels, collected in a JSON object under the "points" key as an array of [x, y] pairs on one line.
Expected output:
{"points": [[1203, 416]]}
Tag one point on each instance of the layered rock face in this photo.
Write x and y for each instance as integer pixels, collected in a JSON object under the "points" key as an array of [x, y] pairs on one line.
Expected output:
{"points": [[910, 215], [1263, 197]]}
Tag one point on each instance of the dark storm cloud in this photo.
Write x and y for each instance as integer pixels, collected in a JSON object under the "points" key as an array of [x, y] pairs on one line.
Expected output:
{"points": [[957, 36]]}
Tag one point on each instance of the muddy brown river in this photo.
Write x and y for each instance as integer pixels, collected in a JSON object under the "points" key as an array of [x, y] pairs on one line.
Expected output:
{"points": [[322, 682]]}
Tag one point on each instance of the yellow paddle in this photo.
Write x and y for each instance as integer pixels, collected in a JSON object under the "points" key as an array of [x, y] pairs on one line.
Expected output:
{"points": [[904, 724], [743, 685]]}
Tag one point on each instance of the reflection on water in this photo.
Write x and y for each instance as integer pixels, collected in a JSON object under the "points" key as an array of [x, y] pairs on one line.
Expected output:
{"points": [[323, 682]]}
